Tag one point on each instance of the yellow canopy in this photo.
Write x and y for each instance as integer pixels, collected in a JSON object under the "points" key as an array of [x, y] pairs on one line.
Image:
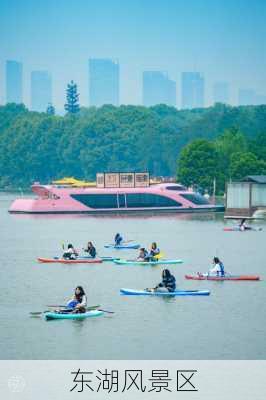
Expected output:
{"points": [[73, 182]]}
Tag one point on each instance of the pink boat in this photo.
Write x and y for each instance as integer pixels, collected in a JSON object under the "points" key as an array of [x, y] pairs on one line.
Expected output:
{"points": [[124, 197]]}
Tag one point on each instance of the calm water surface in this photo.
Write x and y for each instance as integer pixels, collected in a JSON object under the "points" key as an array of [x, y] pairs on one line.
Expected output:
{"points": [[229, 324]]}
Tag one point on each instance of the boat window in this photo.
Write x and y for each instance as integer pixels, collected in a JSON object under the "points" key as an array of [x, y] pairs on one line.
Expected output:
{"points": [[97, 200], [135, 200], [195, 198], [177, 188]]}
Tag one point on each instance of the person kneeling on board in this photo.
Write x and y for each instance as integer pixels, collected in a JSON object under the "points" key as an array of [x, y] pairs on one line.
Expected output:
{"points": [[78, 303], [91, 250], [243, 226], [168, 283], [143, 255], [218, 268], [154, 252], [71, 253], [118, 239]]}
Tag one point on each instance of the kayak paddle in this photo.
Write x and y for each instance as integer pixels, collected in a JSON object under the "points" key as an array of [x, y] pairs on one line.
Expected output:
{"points": [[64, 306], [106, 311]]}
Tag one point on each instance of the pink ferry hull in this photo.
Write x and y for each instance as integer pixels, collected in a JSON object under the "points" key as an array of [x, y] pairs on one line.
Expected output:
{"points": [[61, 200]]}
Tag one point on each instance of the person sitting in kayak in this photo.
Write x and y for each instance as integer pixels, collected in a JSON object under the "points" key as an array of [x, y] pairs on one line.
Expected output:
{"points": [[91, 250], [168, 283], [71, 253], [154, 252], [218, 268], [243, 226], [78, 303], [118, 239], [143, 255]]}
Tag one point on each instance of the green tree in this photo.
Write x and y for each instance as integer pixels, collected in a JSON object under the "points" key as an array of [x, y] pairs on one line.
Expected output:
{"points": [[72, 96], [230, 142], [197, 164], [243, 164], [257, 145], [50, 109]]}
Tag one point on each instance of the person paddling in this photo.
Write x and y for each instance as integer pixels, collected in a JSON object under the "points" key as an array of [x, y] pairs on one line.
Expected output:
{"points": [[154, 252], [218, 268], [78, 303], [71, 253], [90, 249], [118, 239], [143, 255], [168, 283], [243, 226]]}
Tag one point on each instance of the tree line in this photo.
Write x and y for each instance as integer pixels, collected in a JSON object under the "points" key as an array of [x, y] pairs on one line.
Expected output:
{"points": [[42, 146]]}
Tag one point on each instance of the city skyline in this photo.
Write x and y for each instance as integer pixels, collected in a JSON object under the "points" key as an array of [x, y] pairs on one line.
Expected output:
{"points": [[225, 41], [191, 90]]}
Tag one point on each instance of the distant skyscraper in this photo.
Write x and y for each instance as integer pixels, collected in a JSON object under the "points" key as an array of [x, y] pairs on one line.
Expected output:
{"points": [[192, 90], [13, 82], [158, 89], [221, 92], [103, 82], [246, 97], [41, 90]]}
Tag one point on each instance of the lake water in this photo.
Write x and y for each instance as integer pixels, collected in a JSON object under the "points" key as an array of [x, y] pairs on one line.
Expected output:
{"points": [[228, 324]]}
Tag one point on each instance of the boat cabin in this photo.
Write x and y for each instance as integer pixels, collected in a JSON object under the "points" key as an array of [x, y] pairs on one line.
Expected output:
{"points": [[122, 180]]}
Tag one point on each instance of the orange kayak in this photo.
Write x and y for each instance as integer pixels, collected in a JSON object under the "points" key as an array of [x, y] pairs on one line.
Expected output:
{"points": [[64, 261]]}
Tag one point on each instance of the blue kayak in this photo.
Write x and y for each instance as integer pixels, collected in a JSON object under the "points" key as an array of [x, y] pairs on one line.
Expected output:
{"points": [[135, 262], [123, 246], [134, 292], [61, 315]]}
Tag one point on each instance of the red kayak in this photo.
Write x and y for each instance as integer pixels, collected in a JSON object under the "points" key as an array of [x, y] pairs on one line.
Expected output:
{"points": [[77, 261], [237, 229], [224, 278]]}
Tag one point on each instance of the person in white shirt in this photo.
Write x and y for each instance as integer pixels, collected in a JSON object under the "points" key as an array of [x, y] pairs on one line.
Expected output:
{"points": [[218, 267], [78, 302], [71, 253]]}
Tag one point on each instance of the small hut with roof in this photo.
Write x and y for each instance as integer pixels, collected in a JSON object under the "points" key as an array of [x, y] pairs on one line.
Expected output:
{"points": [[246, 198]]}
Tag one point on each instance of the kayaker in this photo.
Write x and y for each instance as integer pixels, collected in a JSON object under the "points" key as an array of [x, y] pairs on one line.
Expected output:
{"points": [[78, 302], [218, 268], [243, 226], [118, 239], [91, 250], [143, 255], [71, 253], [168, 283], [154, 252]]}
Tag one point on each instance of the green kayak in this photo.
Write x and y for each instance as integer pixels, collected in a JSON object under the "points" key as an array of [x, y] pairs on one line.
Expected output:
{"points": [[61, 315]]}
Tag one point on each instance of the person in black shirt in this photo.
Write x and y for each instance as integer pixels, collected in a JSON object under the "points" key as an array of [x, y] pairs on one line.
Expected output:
{"points": [[168, 283], [91, 250]]}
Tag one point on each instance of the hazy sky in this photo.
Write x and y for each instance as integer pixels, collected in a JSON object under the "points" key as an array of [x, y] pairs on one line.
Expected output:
{"points": [[223, 39]]}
